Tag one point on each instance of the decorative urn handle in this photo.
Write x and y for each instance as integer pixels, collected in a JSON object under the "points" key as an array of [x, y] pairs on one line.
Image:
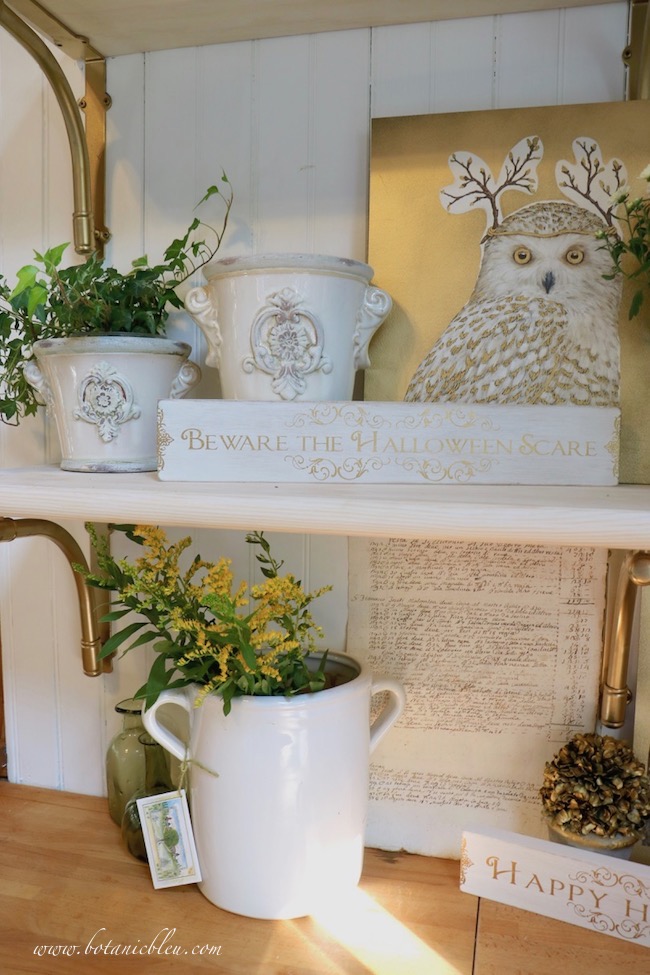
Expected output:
{"points": [[375, 307], [199, 303]]}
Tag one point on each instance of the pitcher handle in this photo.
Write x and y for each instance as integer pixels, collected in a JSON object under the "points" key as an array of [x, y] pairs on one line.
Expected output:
{"points": [[158, 731], [199, 303], [391, 712]]}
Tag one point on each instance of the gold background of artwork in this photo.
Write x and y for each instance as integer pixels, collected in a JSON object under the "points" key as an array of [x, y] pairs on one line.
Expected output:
{"points": [[428, 259]]}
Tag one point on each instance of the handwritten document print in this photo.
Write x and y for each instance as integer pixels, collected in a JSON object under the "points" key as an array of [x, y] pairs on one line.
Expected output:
{"points": [[499, 648]]}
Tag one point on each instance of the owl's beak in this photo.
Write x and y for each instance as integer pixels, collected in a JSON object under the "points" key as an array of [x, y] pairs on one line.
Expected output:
{"points": [[548, 281]]}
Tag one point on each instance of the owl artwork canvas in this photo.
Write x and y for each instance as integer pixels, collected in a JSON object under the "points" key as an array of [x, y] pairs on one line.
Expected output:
{"points": [[486, 230], [541, 324]]}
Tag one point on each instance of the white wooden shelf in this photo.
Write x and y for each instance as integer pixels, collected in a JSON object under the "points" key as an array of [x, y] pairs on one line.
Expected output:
{"points": [[613, 517], [116, 27]]}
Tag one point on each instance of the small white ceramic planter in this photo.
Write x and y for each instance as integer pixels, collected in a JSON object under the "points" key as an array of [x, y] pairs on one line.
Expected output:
{"points": [[288, 326], [103, 392], [279, 790]]}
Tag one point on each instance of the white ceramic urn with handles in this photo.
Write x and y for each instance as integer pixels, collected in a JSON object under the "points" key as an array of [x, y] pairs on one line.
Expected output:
{"points": [[279, 789], [288, 326], [103, 392]]}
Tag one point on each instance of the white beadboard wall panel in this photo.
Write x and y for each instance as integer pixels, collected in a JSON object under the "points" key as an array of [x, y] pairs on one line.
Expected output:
{"points": [[401, 70], [37, 602], [169, 173], [529, 53], [447, 66], [170, 133], [225, 137], [594, 39], [289, 120], [23, 155], [463, 65], [186, 87], [327, 560], [28, 651], [310, 128], [338, 145], [80, 700], [282, 121], [125, 160]]}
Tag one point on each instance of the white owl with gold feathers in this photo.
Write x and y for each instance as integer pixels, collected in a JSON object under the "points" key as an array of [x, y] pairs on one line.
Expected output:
{"points": [[541, 325]]}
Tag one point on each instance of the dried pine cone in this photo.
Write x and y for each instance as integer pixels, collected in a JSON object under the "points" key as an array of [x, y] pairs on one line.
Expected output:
{"points": [[595, 784]]}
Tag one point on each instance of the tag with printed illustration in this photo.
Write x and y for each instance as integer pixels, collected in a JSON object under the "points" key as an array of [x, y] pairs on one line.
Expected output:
{"points": [[169, 840]]}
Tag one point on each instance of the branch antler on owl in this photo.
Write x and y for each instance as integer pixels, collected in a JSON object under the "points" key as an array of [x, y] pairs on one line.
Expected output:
{"points": [[593, 183], [475, 186]]}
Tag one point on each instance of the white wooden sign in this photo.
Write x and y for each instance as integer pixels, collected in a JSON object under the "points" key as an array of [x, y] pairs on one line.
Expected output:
{"points": [[591, 890], [386, 443]]}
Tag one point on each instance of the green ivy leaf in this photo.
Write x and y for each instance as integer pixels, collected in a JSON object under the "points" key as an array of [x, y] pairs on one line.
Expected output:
{"points": [[635, 304]]}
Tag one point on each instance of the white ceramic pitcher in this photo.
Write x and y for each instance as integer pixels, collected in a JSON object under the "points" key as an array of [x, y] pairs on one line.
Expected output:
{"points": [[288, 326], [279, 789]]}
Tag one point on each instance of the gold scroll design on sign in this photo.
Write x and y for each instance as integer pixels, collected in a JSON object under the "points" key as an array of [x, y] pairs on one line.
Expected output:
{"points": [[324, 414], [465, 862], [459, 472], [350, 469], [354, 468], [613, 446], [164, 439], [626, 928], [353, 415]]}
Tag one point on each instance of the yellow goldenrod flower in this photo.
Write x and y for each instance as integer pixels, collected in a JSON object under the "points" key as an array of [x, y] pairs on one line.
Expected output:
{"points": [[206, 626]]}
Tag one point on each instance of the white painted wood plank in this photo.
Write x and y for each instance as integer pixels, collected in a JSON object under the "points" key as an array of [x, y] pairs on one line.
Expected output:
{"points": [[463, 65], [79, 699], [328, 566], [58, 203], [618, 516], [127, 26], [22, 220], [170, 160], [284, 104], [222, 141], [338, 151], [125, 150], [35, 168], [224, 107], [590, 59], [447, 66], [527, 59], [33, 752], [401, 70]]}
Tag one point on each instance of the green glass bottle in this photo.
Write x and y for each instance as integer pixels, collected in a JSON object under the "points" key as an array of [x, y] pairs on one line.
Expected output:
{"points": [[157, 780], [125, 759]]}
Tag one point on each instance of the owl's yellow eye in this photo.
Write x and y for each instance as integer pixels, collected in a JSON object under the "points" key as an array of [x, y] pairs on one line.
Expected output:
{"points": [[522, 255], [575, 256]]}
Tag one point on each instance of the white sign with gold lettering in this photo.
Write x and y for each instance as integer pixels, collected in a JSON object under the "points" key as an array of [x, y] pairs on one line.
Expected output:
{"points": [[389, 443], [591, 890]]}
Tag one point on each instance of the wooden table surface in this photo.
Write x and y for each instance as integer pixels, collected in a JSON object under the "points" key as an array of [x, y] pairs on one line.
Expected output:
{"points": [[66, 880]]}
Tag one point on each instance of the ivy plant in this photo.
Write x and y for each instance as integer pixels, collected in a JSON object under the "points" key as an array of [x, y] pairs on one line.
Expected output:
{"points": [[49, 301]]}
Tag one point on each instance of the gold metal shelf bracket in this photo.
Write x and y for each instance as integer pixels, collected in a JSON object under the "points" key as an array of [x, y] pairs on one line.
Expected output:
{"points": [[637, 53], [93, 633], [615, 696], [87, 145]]}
